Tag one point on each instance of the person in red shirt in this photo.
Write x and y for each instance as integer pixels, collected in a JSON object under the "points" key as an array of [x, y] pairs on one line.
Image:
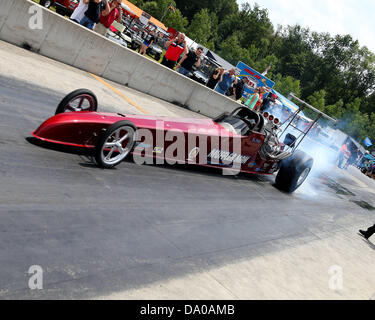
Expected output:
{"points": [[258, 105], [175, 48], [108, 16], [343, 151]]}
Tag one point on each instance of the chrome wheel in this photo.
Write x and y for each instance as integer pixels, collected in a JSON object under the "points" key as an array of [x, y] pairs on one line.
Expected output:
{"points": [[117, 146]]}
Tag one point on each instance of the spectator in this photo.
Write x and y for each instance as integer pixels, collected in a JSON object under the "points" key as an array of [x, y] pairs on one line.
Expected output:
{"points": [[253, 99], [270, 99], [149, 40], [228, 79], [215, 77], [79, 12], [259, 103], [175, 48], [238, 89], [92, 14], [352, 157], [343, 151], [190, 59], [107, 18]]}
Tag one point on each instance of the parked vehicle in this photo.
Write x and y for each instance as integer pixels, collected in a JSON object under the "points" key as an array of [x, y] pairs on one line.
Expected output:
{"points": [[63, 7], [155, 51]]}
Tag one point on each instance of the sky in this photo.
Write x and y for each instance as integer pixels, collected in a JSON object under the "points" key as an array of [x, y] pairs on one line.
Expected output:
{"points": [[354, 17]]}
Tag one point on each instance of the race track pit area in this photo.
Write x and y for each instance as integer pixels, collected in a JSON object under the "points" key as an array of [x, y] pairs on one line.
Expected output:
{"points": [[159, 231]]}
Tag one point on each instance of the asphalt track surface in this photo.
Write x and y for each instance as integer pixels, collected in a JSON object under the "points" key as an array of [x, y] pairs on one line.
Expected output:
{"points": [[96, 232]]}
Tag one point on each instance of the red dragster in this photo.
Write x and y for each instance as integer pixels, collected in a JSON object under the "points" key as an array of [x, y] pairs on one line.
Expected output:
{"points": [[242, 140]]}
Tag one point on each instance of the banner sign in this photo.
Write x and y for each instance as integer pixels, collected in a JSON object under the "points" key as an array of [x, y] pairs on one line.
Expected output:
{"points": [[145, 18], [256, 78]]}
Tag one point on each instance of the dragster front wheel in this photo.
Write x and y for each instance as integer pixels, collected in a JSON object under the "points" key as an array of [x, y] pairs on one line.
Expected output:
{"points": [[78, 100], [115, 144]]}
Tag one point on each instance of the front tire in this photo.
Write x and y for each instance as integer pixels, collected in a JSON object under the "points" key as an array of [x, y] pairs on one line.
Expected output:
{"points": [[294, 171], [115, 144], [78, 100], [46, 3]]}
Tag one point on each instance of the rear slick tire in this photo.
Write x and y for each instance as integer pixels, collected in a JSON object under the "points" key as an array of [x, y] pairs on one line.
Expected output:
{"points": [[293, 171]]}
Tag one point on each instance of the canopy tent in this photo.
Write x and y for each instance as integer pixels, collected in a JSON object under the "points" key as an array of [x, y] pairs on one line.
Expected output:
{"points": [[225, 64], [126, 8], [137, 12]]}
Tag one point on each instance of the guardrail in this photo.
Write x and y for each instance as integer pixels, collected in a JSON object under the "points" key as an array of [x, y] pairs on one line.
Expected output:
{"points": [[23, 22]]}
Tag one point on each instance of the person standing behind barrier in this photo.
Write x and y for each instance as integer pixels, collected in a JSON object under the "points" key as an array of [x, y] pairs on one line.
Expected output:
{"points": [[175, 48], [227, 80], [79, 12], [253, 99], [237, 90], [107, 18], [215, 77], [343, 150], [149, 40], [259, 103], [190, 59], [92, 14]]}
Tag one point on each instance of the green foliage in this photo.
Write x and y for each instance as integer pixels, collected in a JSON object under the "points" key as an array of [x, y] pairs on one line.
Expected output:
{"points": [[286, 85], [203, 28], [232, 51]]}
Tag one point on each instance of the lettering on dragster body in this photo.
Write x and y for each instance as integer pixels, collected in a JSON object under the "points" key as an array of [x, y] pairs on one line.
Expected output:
{"points": [[228, 156], [166, 311], [209, 309]]}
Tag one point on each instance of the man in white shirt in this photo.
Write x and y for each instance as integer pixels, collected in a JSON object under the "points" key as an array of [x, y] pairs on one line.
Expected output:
{"points": [[79, 12]]}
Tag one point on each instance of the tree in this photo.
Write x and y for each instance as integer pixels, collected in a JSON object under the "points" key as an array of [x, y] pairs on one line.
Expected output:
{"points": [[203, 28], [160, 10], [251, 25], [232, 51], [221, 8], [286, 85]]}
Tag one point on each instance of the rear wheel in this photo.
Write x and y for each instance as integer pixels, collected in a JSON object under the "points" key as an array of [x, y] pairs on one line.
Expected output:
{"points": [[293, 171], [78, 100], [115, 144], [157, 57]]}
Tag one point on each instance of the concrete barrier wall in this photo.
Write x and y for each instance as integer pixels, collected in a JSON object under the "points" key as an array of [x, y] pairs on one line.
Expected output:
{"points": [[65, 41]]}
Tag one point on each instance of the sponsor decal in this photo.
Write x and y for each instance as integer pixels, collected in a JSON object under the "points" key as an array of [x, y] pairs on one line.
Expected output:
{"points": [[252, 164], [158, 150], [143, 145], [228, 156], [193, 153], [257, 169]]}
